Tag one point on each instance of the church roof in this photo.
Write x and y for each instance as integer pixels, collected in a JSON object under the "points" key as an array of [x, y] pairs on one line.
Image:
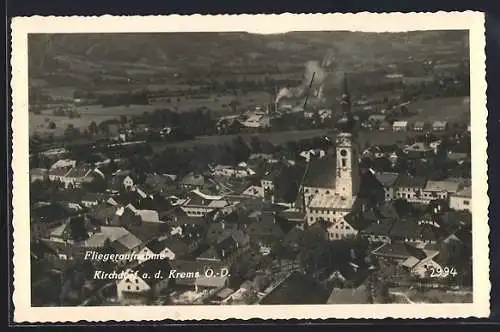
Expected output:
{"points": [[321, 173]]}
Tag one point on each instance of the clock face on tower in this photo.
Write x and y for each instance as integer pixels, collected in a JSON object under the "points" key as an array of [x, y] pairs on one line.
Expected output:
{"points": [[343, 153]]}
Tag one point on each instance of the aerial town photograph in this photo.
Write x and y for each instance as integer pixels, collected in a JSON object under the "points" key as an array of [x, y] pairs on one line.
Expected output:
{"points": [[209, 168]]}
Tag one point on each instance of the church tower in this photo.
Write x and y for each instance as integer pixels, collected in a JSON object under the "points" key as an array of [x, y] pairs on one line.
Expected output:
{"points": [[347, 151]]}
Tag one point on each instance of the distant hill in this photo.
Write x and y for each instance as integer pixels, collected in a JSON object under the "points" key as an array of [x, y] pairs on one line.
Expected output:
{"points": [[83, 55]]}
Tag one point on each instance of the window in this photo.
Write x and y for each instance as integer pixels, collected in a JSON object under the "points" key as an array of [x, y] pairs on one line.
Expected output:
{"points": [[137, 288], [328, 192], [136, 281], [127, 280], [466, 202], [128, 287], [344, 162]]}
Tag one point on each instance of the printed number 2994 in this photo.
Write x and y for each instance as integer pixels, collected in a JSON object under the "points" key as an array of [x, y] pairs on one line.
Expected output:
{"points": [[444, 272]]}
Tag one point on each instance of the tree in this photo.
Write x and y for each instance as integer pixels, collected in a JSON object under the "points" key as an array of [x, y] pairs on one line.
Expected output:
{"points": [[93, 129], [255, 144], [51, 125], [71, 131]]}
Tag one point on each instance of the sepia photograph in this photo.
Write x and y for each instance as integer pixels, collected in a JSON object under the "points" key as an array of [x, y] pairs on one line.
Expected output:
{"points": [[235, 171]]}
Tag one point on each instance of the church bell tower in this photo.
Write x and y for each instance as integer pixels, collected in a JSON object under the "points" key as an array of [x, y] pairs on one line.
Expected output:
{"points": [[347, 151]]}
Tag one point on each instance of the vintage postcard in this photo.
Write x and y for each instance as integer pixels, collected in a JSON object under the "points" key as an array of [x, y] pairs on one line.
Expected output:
{"points": [[250, 166]]}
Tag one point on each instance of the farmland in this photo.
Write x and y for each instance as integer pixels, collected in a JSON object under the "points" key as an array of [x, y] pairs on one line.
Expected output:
{"points": [[218, 104], [456, 109]]}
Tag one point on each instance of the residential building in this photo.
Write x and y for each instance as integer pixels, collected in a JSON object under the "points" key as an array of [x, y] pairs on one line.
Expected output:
{"points": [[199, 204], [147, 279], [240, 171], [409, 187], [439, 126], [387, 180], [419, 126], [440, 190], [462, 200], [39, 174], [400, 126], [165, 247]]}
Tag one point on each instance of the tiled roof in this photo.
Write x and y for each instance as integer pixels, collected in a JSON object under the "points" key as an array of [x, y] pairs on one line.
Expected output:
{"points": [[398, 250], [441, 186], [39, 171], [408, 181], [151, 267], [321, 173], [387, 179], [465, 192], [78, 172]]}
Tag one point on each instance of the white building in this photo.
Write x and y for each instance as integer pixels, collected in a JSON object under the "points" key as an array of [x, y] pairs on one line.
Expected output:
{"points": [[400, 126], [462, 200], [240, 171], [144, 280], [439, 190], [199, 204], [331, 185]]}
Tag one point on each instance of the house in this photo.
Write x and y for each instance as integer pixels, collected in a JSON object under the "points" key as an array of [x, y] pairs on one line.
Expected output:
{"points": [[240, 171], [146, 280], [387, 180], [169, 247], [419, 126], [254, 191], [439, 190], [409, 187], [39, 174], [121, 179], [376, 119], [400, 126], [462, 200], [378, 231], [63, 163], [194, 275], [312, 153], [78, 176], [192, 181], [439, 126], [325, 114], [199, 204], [398, 252], [255, 121], [93, 199], [384, 126], [160, 183], [58, 174], [418, 150]]}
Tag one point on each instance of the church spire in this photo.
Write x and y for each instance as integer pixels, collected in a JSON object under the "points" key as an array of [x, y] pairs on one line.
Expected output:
{"points": [[347, 123]]}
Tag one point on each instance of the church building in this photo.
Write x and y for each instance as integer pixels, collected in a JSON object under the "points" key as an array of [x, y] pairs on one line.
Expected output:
{"points": [[331, 184]]}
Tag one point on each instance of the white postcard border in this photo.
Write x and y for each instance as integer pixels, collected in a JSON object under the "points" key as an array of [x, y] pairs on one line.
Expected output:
{"points": [[370, 22]]}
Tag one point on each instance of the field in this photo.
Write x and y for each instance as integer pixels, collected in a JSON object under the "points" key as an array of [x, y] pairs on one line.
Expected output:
{"points": [[449, 109], [276, 138], [217, 104]]}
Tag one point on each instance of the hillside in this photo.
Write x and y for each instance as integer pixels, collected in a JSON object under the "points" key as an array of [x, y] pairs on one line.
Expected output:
{"points": [[79, 57]]}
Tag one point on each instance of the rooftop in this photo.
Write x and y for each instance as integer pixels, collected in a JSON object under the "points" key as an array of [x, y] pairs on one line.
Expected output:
{"points": [[321, 173], [465, 192], [442, 186], [409, 181], [330, 202], [387, 179]]}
